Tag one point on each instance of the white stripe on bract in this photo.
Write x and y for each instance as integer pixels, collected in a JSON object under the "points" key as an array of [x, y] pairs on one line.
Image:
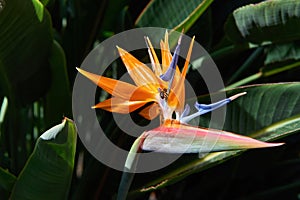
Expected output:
{"points": [[52, 132]]}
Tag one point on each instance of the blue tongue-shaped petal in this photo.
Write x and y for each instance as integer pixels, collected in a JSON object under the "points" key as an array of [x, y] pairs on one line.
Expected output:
{"points": [[168, 76], [205, 108]]}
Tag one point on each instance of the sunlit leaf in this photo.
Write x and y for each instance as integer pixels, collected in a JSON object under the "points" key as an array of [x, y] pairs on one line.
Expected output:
{"points": [[48, 171], [269, 21]]}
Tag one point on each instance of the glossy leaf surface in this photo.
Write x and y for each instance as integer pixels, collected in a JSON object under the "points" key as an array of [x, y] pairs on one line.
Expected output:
{"points": [[265, 22], [48, 172]]}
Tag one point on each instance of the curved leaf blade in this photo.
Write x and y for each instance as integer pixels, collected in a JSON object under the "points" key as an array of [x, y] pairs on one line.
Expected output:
{"points": [[175, 15], [48, 171], [263, 106], [269, 21]]}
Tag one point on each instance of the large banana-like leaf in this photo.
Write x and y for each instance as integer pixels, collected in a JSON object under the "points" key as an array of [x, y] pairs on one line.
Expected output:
{"points": [[269, 21], [267, 112], [48, 171], [175, 15], [263, 106], [275, 26], [25, 42]]}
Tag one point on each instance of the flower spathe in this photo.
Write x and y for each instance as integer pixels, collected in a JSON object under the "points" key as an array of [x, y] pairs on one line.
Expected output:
{"points": [[162, 89], [175, 137]]}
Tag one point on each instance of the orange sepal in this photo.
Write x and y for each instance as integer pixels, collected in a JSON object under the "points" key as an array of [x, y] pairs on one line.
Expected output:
{"points": [[166, 56], [156, 66], [138, 71], [120, 105], [119, 88]]}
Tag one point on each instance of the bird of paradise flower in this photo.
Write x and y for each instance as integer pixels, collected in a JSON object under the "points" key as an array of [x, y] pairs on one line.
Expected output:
{"points": [[163, 88], [162, 91]]}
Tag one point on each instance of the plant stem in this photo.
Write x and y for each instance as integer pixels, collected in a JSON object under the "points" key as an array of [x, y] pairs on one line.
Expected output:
{"points": [[129, 168], [245, 81], [281, 69]]}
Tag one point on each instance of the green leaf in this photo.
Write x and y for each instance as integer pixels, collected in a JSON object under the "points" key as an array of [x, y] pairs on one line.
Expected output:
{"points": [[269, 21], [25, 41], [48, 171], [175, 15], [59, 89], [262, 106], [282, 52], [267, 112], [7, 180]]}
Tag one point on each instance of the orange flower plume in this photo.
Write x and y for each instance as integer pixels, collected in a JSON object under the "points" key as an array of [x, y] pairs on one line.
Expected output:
{"points": [[148, 88]]}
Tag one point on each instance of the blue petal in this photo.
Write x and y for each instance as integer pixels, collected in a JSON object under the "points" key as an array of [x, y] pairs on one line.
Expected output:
{"points": [[205, 108], [171, 70], [186, 111], [202, 109]]}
